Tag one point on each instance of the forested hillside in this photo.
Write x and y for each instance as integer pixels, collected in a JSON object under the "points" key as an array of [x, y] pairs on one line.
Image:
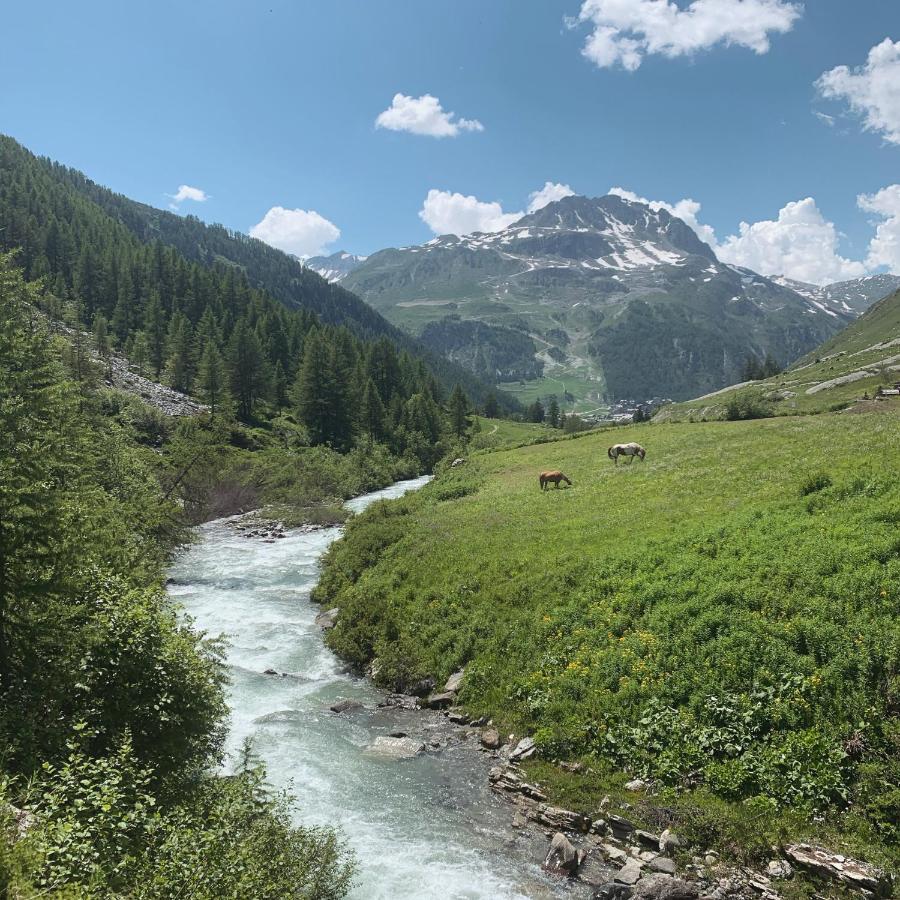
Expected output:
{"points": [[206, 329], [153, 276], [111, 710]]}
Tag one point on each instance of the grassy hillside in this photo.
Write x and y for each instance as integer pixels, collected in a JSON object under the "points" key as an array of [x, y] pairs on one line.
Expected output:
{"points": [[721, 619], [854, 363]]}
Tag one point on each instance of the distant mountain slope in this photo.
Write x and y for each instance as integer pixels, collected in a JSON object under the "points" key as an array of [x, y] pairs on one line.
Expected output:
{"points": [[623, 295], [853, 297], [335, 267], [850, 365]]}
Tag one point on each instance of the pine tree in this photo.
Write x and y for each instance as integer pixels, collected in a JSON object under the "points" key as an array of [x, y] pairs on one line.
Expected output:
{"points": [[212, 381], [311, 389], [140, 352], [491, 407], [553, 413], [102, 343], [179, 369], [373, 417], [459, 411], [249, 369]]}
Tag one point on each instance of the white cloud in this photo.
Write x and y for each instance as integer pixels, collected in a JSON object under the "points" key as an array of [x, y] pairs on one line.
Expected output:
{"points": [[549, 193], [884, 248], [424, 115], [451, 213], [872, 90], [625, 31], [801, 243], [687, 210], [186, 192], [825, 118], [298, 231]]}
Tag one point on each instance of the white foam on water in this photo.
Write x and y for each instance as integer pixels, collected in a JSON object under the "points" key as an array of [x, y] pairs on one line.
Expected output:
{"points": [[426, 827]]}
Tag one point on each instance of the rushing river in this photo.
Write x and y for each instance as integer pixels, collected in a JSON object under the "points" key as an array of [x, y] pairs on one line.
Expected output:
{"points": [[422, 828]]}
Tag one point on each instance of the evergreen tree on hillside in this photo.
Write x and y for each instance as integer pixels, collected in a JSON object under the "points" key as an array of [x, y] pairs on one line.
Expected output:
{"points": [[212, 381], [535, 412], [249, 369], [553, 412], [458, 409], [372, 417], [491, 407]]}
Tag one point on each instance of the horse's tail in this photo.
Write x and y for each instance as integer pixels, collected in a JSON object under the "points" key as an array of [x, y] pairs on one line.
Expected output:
{"points": [[610, 453]]}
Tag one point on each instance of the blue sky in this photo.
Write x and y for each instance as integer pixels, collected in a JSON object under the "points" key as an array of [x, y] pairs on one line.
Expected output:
{"points": [[274, 104]]}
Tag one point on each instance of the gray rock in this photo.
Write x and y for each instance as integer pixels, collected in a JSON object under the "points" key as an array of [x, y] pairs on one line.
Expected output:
{"points": [[613, 891], [614, 854], [508, 781], [636, 784], [395, 748], [593, 869], [343, 706], [779, 868], [563, 819], [665, 887], [440, 701], [458, 718], [647, 838], [490, 738], [598, 826], [327, 619], [668, 842], [852, 872], [523, 750], [455, 681], [400, 701], [630, 873], [621, 828], [662, 864], [457, 462], [562, 857]]}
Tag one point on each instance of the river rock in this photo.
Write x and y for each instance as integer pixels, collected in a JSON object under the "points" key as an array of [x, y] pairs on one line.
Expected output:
{"points": [[455, 681], [630, 873], [395, 748], [613, 891], [614, 854], [490, 739], [562, 857], [508, 781], [457, 717], [852, 872], [523, 750], [665, 887], [593, 870], [343, 706], [328, 618], [400, 701], [443, 700]]}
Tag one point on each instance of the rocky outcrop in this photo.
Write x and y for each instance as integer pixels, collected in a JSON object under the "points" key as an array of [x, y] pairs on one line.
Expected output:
{"points": [[443, 700], [327, 619], [556, 817], [834, 866], [525, 749], [510, 782], [455, 682], [664, 887]]}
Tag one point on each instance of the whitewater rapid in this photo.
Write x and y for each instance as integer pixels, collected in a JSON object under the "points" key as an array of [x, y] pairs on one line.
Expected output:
{"points": [[427, 827]]}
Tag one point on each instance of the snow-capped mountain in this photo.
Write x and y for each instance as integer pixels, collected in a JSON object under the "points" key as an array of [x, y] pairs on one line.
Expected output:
{"points": [[616, 298], [852, 297], [335, 267]]}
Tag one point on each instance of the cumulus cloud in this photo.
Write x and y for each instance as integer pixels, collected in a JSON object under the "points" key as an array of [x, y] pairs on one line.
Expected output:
{"points": [[884, 248], [298, 231], [186, 192], [872, 90], [625, 31], [801, 243], [451, 213], [687, 210], [549, 193], [424, 115]]}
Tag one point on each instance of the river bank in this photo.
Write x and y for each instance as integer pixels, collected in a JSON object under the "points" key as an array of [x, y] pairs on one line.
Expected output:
{"points": [[428, 826]]}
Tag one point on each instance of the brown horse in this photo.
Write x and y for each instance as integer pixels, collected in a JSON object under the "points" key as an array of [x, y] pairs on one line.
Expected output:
{"points": [[555, 476]]}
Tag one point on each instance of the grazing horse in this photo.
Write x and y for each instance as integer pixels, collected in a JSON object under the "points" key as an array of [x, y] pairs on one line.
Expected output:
{"points": [[555, 476], [630, 450]]}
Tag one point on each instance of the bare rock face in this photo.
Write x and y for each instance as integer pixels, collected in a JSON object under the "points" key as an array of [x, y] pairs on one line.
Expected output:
{"points": [[852, 872], [562, 857], [396, 747], [664, 887]]}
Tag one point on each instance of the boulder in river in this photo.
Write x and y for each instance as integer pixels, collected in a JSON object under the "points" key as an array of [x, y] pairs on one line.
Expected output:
{"points": [[562, 857], [328, 618], [343, 706], [395, 748], [630, 873], [613, 891], [490, 739]]}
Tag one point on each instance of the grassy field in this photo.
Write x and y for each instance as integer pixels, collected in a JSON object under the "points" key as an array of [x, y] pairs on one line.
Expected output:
{"points": [[721, 619], [583, 389], [492, 434]]}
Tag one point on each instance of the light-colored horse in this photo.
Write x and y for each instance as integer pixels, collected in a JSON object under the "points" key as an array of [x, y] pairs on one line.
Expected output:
{"points": [[555, 476], [630, 450]]}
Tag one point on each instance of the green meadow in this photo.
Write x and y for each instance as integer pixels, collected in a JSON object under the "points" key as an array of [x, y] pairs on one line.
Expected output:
{"points": [[721, 620]]}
